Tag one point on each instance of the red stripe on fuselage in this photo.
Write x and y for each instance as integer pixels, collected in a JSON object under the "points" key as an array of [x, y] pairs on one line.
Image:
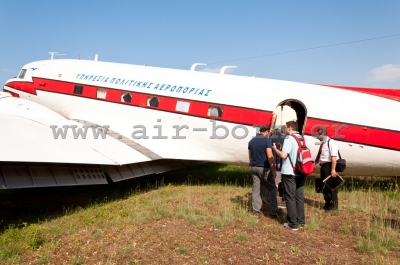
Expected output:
{"points": [[12, 93], [354, 133], [389, 93], [27, 87]]}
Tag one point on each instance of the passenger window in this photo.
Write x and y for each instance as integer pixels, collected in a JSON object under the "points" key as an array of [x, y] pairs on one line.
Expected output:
{"points": [[182, 106], [78, 90], [214, 111], [126, 97], [101, 93], [152, 102], [22, 74]]}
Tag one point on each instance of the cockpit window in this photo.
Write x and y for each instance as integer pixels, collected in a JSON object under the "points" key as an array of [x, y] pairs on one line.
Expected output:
{"points": [[22, 74]]}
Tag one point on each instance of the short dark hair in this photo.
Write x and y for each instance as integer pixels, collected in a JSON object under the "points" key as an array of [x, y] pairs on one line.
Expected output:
{"points": [[321, 131], [293, 125], [264, 128]]}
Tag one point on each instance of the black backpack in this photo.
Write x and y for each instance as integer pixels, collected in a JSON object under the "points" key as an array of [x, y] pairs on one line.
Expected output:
{"points": [[340, 163]]}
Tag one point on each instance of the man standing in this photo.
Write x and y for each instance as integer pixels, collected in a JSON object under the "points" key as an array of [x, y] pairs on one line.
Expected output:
{"points": [[293, 184], [327, 155], [262, 165], [278, 140], [282, 114]]}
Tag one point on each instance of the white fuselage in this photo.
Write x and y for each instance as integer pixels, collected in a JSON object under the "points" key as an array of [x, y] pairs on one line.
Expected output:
{"points": [[245, 102]]}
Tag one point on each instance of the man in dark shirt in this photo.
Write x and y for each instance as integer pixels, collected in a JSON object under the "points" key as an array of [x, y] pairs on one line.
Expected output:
{"points": [[261, 160]]}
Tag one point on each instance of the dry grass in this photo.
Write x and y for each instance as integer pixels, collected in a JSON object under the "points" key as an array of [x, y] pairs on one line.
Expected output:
{"points": [[207, 220]]}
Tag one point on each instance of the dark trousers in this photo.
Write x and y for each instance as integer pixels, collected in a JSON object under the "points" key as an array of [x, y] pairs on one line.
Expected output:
{"points": [[294, 197], [330, 197]]}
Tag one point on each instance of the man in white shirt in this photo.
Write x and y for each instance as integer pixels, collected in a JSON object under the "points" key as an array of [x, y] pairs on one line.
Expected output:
{"points": [[282, 114], [326, 157]]}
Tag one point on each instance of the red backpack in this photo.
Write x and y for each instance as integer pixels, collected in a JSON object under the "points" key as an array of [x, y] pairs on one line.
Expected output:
{"points": [[304, 163]]}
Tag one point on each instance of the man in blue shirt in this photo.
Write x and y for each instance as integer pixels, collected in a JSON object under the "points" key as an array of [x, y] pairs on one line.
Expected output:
{"points": [[293, 183], [262, 165]]}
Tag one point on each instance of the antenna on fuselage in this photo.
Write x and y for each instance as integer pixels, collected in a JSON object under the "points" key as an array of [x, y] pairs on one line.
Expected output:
{"points": [[54, 53], [222, 71], [196, 64]]}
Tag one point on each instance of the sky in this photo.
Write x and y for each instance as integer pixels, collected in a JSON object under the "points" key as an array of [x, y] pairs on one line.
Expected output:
{"points": [[259, 37]]}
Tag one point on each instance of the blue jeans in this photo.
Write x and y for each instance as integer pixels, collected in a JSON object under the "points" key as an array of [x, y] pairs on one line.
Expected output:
{"points": [[294, 196]]}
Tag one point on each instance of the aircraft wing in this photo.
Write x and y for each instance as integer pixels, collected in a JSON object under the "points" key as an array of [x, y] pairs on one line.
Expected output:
{"points": [[33, 155], [26, 136]]}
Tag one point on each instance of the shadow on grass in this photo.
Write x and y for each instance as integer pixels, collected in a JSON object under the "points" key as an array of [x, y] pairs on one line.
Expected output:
{"points": [[243, 201], [314, 203], [388, 222], [39, 204], [363, 183], [18, 206], [210, 173], [375, 183]]}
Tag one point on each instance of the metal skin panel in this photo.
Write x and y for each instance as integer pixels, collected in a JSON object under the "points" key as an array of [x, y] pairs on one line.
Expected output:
{"points": [[17, 177], [147, 168], [136, 170], [113, 173], [89, 175], [125, 172], [157, 167], [31, 175], [3, 183], [64, 176], [42, 176], [118, 173]]}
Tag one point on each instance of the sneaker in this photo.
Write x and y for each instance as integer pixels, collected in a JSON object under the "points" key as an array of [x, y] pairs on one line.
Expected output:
{"points": [[256, 213], [286, 225]]}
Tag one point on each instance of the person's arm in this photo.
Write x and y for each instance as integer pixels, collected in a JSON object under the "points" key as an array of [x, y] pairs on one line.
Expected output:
{"points": [[333, 151], [273, 119], [333, 169], [279, 153], [271, 161], [249, 157]]}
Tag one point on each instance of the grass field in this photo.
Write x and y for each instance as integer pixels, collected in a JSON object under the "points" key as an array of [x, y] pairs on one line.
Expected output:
{"points": [[202, 215]]}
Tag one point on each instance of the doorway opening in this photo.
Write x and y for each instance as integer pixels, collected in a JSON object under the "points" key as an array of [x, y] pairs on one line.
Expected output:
{"points": [[301, 112]]}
